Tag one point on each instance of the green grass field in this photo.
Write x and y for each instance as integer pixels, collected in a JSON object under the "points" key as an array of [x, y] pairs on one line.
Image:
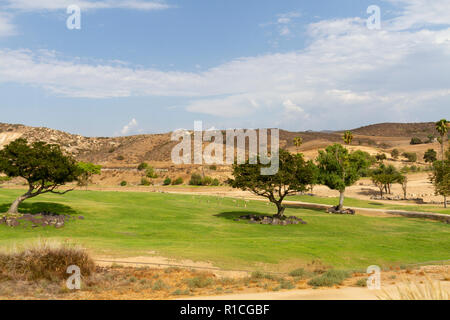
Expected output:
{"points": [[202, 228], [351, 202]]}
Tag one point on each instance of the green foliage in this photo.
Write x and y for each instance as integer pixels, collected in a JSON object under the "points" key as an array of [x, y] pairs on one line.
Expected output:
{"points": [[120, 158], [381, 157], [430, 156], [347, 137], [4, 179], [215, 182], [177, 181], [167, 181], [87, 170], [199, 282], [395, 153], [415, 140], [213, 167], [411, 156], [123, 183], [384, 176], [145, 181], [43, 165], [150, 173], [361, 282], [440, 176], [294, 175], [339, 169], [206, 181], [142, 166], [196, 180], [329, 278]]}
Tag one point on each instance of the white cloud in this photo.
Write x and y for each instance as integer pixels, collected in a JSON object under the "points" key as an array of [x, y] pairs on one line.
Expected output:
{"points": [[40, 5], [7, 28], [131, 126]]}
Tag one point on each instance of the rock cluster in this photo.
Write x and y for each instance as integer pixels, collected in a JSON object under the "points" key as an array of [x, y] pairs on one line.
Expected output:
{"points": [[271, 220], [42, 219], [335, 210]]}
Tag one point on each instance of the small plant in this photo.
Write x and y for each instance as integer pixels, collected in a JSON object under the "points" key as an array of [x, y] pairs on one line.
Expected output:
{"points": [[150, 173], [285, 284], [196, 180], [415, 140], [142, 166], [215, 182], [361, 282], [120, 158], [177, 181], [145, 182], [123, 183], [159, 285], [300, 273], [180, 292], [213, 167], [329, 278], [199, 282], [167, 181]]}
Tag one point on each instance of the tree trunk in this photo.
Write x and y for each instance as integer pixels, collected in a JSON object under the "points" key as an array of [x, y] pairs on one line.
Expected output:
{"points": [[14, 209], [341, 200], [445, 201], [280, 209]]}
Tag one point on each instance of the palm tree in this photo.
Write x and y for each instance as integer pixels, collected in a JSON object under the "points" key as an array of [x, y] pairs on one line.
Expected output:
{"points": [[348, 137], [442, 128], [298, 141]]}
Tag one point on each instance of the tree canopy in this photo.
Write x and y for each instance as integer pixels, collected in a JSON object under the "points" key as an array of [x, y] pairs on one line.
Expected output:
{"points": [[338, 168], [44, 166], [294, 175]]}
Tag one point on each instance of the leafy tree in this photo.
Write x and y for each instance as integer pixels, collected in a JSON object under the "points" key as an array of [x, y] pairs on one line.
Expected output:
{"points": [[339, 169], [430, 138], [442, 128], [440, 177], [294, 175], [403, 180], [87, 171], [298, 141], [415, 140], [348, 137], [430, 156], [44, 166], [395, 153], [384, 176]]}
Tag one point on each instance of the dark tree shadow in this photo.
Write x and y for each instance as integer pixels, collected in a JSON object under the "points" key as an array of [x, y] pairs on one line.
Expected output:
{"points": [[368, 192], [38, 207], [231, 215]]}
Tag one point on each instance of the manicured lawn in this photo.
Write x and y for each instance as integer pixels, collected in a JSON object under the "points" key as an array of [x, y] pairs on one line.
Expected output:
{"points": [[351, 202], [201, 228]]}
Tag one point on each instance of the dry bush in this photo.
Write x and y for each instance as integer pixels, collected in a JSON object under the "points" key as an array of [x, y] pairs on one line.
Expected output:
{"points": [[429, 290], [44, 260]]}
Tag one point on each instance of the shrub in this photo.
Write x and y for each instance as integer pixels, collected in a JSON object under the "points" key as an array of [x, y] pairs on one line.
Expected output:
{"points": [[415, 140], [299, 273], [145, 182], [120, 158], [329, 278], [411, 156], [177, 181], [199, 282], [361, 282], [159, 285], [213, 167], [123, 183], [167, 181], [395, 153], [150, 173], [142, 166], [206, 181], [45, 260], [215, 182], [196, 180], [284, 284]]}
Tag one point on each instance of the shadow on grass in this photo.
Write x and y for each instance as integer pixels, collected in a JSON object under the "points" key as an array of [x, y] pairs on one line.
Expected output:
{"points": [[37, 207], [375, 204], [230, 215]]}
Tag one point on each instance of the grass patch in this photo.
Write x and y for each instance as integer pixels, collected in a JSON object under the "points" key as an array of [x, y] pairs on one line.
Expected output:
{"points": [[201, 228]]}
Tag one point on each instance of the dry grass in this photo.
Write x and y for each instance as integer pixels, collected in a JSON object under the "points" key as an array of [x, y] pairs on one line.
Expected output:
{"points": [[44, 260], [429, 290]]}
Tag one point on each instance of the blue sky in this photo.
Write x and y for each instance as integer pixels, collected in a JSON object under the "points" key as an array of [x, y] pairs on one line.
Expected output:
{"points": [[141, 66]]}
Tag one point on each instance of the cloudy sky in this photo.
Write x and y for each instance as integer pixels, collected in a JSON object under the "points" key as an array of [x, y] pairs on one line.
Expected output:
{"points": [[145, 66]]}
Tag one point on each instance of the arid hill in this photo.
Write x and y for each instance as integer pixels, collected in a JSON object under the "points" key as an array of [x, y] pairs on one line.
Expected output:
{"points": [[131, 150]]}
